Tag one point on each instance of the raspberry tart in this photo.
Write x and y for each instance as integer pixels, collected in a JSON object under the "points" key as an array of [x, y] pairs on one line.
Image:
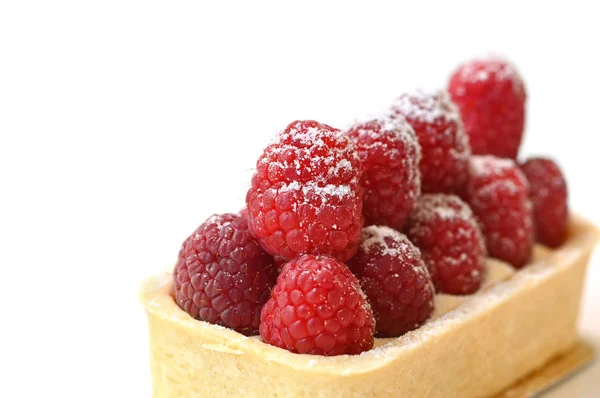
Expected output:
{"points": [[339, 278]]}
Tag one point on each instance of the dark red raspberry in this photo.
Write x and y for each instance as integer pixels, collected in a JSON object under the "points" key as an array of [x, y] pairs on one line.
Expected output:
{"points": [[548, 193], [306, 195], [491, 97], [317, 307], [498, 194], [222, 275], [444, 145], [446, 231], [390, 154], [395, 280], [279, 262]]}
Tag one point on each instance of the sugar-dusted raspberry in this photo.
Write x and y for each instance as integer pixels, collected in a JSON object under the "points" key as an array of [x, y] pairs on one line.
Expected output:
{"points": [[317, 307], [491, 97], [305, 195], [548, 193], [395, 280], [222, 275], [446, 231], [498, 194], [444, 144], [390, 154]]}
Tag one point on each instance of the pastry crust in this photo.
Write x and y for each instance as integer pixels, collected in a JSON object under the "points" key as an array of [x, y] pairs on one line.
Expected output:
{"points": [[473, 346]]}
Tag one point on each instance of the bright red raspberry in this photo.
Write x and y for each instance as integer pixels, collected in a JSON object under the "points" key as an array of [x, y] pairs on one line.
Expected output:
{"points": [[548, 193], [491, 97], [305, 195], [444, 145], [317, 307], [222, 275], [498, 194], [390, 154], [395, 280], [445, 230]]}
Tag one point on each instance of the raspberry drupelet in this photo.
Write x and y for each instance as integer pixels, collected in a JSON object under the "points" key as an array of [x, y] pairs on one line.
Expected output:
{"points": [[317, 307], [491, 97], [444, 228], [222, 275], [305, 195], [548, 193], [395, 280], [444, 145], [390, 154], [498, 195]]}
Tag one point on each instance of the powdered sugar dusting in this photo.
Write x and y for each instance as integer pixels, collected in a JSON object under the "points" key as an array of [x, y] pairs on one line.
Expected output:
{"points": [[488, 165], [311, 187], [321, 145], [323, 136], [494, 187], [329, 189], [216, 220], [488, 68], [377, 126], [445, 207], [426, 106], [386, 241], [312, 136], [292, 186], [343, 164], [374, 237], [463, 153]]}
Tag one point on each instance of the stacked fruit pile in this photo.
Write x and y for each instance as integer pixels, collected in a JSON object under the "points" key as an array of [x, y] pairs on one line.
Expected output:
{"points": [[348, 235]]}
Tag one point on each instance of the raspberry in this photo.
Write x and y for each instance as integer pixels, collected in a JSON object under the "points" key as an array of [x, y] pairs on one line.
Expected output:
{"points": [[498, 194], [390, 155], [395, 279], [279, 262], [222, 275], [445, 230], [317, 307], [305, 195], [491, 97], [444, 145], [548, 193]]}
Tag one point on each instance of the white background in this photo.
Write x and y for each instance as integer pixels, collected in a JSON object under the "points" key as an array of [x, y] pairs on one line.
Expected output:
{"points": [[124, 124]]}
